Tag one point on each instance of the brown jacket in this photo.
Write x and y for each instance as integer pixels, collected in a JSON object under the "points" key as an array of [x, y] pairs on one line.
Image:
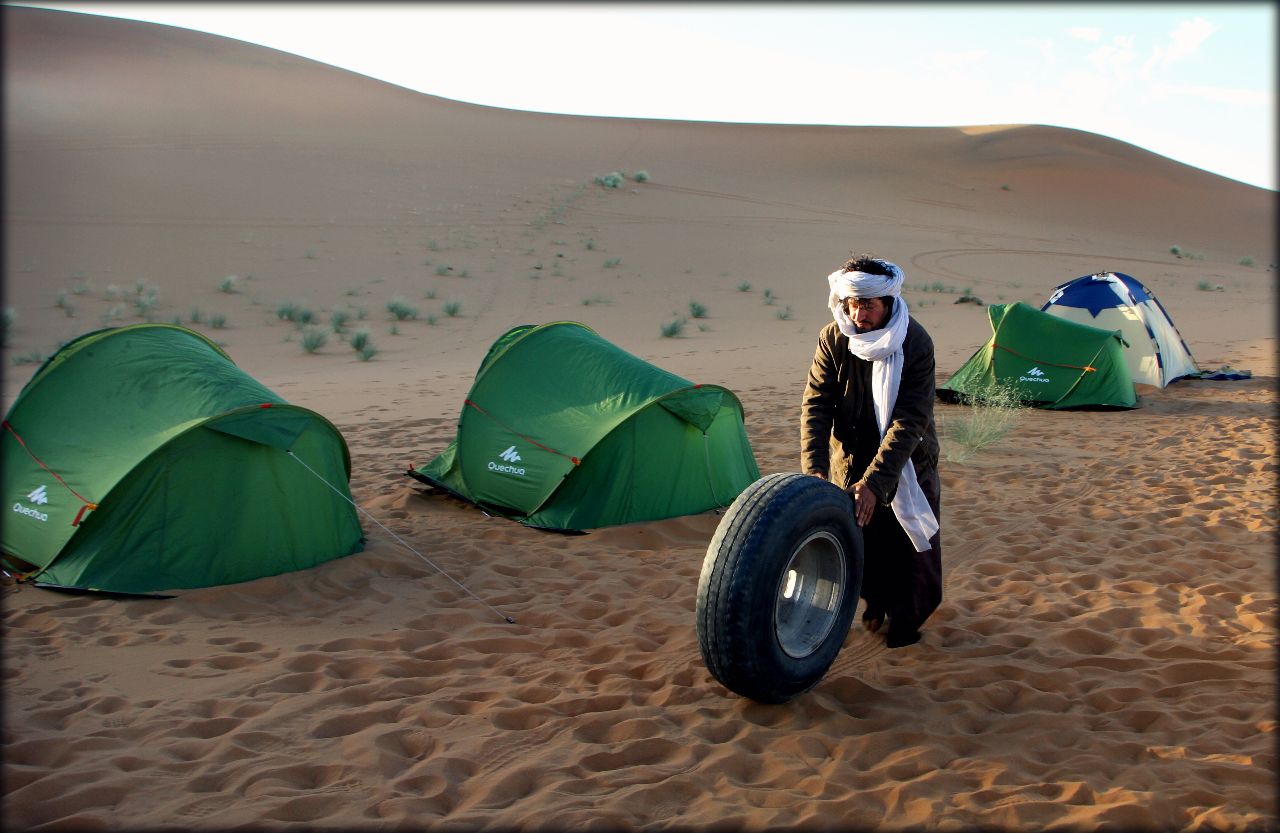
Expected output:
{"points": [[837, 401]]}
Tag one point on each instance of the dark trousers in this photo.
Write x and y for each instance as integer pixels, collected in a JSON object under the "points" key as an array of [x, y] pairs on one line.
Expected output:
{"points": [[898, 581]]}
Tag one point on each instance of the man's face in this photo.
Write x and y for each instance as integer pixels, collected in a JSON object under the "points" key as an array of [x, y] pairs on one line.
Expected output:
{"points": [[867, 313]]}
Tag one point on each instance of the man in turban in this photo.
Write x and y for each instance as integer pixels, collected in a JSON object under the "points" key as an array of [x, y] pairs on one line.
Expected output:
{"points": [[871, 388]]}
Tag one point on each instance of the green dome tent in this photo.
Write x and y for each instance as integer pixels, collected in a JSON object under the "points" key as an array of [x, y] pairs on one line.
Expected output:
{"points": [[563, 430], [140, 459], [1051, 362]]}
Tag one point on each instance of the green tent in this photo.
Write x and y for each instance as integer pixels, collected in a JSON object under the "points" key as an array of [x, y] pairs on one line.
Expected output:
{"points": [[1051, 362], [140, 459], [564, 430]]}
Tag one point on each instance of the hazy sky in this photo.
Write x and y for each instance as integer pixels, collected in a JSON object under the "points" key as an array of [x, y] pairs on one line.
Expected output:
{"points": [[1191, 81]]}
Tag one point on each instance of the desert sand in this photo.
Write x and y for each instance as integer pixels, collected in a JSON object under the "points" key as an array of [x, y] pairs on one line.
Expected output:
{"points": [[1104, 656]]}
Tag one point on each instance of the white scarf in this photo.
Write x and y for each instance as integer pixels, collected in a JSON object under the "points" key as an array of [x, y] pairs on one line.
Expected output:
{"points": [[883, 348]]}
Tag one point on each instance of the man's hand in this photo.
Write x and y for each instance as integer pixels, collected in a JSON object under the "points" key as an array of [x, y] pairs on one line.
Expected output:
{"points": [[864, 503]]}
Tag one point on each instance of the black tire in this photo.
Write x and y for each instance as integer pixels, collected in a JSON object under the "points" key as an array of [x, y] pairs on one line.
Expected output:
{"points": [[779, 586]]}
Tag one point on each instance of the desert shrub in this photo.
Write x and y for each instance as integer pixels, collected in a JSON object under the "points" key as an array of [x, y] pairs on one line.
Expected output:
{"points": [[359, 340], [29, 358], [146, 301], [217, 321], [697, 310], [289, 311], [989, 414], [590, 245], [401, 309], [1246, 261], [613, 179], [113, 314], [338, 319], [769, 297], [673, 329], [1176, 251], [452, 308], [313, 339], [744, 287], [641, 176], [367, 352], [229, 284], [784, 314], [1204, 286], [612, 262], [443, 269]]}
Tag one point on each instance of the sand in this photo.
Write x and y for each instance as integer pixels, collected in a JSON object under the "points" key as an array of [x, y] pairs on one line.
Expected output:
{"points": [[1105, 652]]}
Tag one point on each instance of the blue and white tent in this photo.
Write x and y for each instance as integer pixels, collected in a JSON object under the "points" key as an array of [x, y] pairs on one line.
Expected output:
{"points": [[1154, 349]]}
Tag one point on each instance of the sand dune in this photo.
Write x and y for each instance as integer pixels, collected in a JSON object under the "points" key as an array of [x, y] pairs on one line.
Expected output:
{"points": [[1105, 652]]}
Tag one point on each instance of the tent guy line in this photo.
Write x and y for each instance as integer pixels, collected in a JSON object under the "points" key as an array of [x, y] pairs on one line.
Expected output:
{"points": [[403, 542], [89, 505]]}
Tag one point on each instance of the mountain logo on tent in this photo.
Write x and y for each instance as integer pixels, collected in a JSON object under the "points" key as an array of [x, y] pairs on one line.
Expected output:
{"points": [[1035, 374], [510, 456], [39, 497]]}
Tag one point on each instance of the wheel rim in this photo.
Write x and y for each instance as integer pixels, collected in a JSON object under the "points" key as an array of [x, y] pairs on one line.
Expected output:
{"points": [[809, 594]]}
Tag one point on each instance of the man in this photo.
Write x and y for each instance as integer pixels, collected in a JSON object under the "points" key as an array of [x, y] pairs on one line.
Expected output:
{"points": [[871, 388]]}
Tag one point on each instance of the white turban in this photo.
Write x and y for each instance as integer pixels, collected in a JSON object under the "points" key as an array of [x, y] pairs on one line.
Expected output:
{"points": [[863, 285]]}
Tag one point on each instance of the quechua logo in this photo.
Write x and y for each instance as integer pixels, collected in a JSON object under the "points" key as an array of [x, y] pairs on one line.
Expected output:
{"points": [[39, 496], [510, 456]]}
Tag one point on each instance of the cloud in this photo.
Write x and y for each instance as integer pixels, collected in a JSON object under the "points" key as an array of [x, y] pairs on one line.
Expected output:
{"points": [[1115, 58], [1188, 37], [1184, 41]]}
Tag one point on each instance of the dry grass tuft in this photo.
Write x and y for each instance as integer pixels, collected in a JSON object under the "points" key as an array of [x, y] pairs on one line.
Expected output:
{"points": [[987, 417]]}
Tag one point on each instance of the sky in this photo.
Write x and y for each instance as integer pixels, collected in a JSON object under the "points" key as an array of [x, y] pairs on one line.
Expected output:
{"points": [[1193, 81]]}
